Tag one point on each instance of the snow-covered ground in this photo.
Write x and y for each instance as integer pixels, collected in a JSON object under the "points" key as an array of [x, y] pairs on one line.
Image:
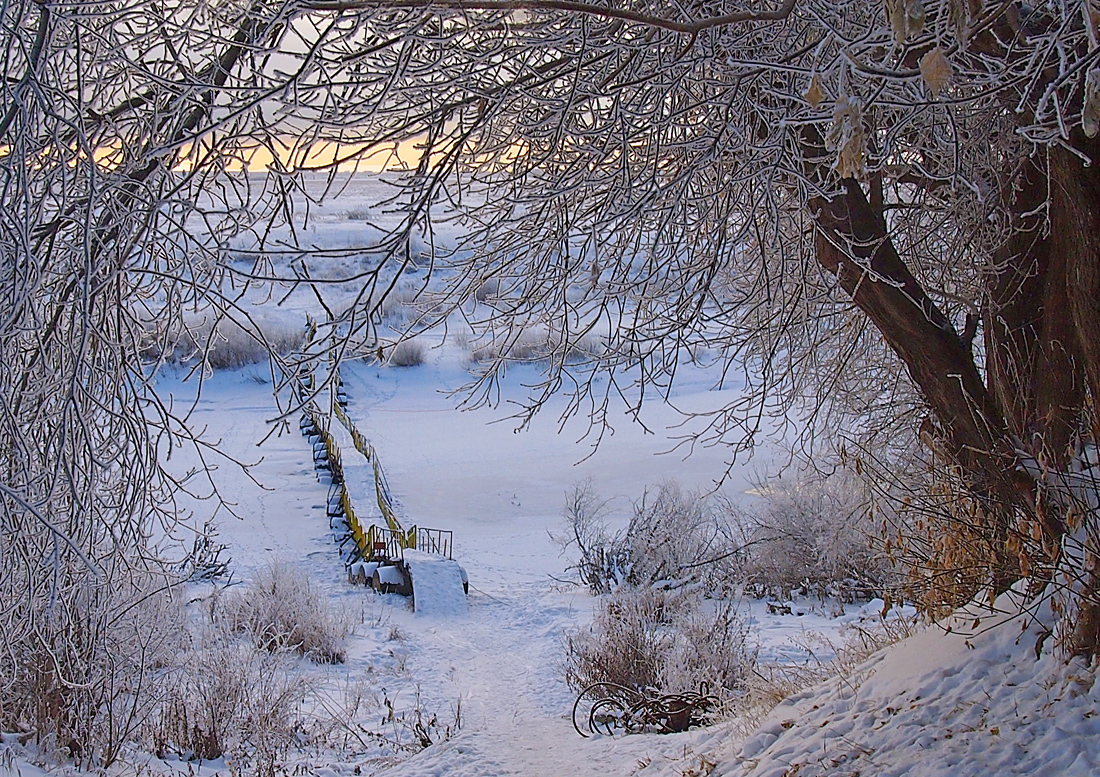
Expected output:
{"points": [[501, 494], [933, 705], [980, 694]]}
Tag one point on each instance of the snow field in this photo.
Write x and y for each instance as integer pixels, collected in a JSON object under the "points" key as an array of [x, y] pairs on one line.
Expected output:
{"points": [[499, 665]]}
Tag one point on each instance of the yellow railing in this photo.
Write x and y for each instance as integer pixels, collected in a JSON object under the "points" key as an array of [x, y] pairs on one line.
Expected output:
{"points": [[407, 539], [393, 539], [332, 451]]}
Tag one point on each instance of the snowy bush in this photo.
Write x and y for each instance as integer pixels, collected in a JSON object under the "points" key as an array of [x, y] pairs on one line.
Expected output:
{"points": [[584, 349], [710, 649], [225, 698], [661, 641], [675, 538], [407, 353], [79, 658], [656, 629], [527, 346], [397, 308], [678, 538], [601, 558], [205, 560], [230, 346], [282, 611], [625, 643], [533, 345], [226, 345], [811, 533]]}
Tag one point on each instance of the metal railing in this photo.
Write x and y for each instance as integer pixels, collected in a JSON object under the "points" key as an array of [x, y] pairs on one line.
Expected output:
{"points": [[392, 539], [437, 541]]}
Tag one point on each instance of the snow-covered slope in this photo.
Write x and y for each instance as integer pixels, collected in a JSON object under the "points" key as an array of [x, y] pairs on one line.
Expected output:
{"points": [[981, 694]]}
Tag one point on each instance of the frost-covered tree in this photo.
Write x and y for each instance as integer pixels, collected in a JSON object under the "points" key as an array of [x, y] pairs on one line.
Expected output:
{"points": [[886, 213]]}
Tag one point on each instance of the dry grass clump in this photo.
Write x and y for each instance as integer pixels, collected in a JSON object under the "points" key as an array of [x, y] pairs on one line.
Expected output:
{"points": [[400, 306], [224, 346], [77, 664], [528, 346], [407, 353], [225, 698], [532, 346], [769, 684], [661, 641], [283, 611]]}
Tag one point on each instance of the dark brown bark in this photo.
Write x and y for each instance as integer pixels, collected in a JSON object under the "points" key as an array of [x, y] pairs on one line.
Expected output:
{"points": [[853, 244], [1075, 235], [1075, 231], [1042, 335], [1033, 355]]}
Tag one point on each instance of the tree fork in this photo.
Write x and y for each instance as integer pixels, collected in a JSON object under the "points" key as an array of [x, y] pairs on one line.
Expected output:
{"points": [[1042, 330], [853, 244]]}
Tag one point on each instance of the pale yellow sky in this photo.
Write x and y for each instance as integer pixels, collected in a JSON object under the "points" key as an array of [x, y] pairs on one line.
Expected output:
{"points": [[322, 155]]}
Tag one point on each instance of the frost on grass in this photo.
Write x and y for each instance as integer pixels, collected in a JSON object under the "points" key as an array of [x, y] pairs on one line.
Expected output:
{"points": [[282, 610], [532, 346], [407, 353], [220, 343], [225, 698], [652, 640], [78, 659], [667, 621]]}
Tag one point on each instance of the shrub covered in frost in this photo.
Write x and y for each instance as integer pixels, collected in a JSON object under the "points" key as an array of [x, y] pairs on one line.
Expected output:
{"points": [[282, 611], [675, 538], [661, 641], [226, 698], [811, 533], [407, 353]]}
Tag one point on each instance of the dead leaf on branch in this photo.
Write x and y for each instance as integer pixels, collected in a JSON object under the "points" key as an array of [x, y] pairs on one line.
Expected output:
{"points": [[936, 70], [906, 18], [962, 13], [814, 94], [1090, 114], [847, 136]]}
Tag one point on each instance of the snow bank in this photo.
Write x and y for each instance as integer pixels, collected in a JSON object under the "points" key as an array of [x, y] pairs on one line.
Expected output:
{"points": [[437, 584], [980, 694]]}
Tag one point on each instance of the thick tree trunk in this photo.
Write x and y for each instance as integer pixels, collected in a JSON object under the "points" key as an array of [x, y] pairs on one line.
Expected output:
{"points": [[853, 244], [1043, 339], [1075, 231], [1033, 362], [1075, 234], [1042, 336]]}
